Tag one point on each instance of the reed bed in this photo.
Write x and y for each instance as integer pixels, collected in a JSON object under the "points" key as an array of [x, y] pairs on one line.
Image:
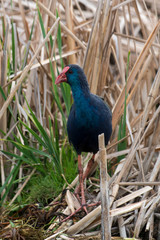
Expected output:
{"points": [[99, 36]]}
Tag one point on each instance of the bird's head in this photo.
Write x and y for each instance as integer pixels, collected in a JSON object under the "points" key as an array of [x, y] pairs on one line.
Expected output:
{"points": [[74, 76]]}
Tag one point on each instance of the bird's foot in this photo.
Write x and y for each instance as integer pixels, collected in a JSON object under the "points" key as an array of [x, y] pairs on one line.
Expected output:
{"points": [[82, 200], [84, 205], [79, 209]]}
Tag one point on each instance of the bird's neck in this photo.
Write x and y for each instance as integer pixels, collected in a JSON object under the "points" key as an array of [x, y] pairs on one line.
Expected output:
{"points": [[80, 96]]}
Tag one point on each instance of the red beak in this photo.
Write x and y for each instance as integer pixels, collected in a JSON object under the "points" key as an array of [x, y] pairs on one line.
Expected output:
{"points": [[62, 77]]}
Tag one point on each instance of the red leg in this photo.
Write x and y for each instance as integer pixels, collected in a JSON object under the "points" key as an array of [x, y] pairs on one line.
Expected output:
{"points": [[80, 168], [87, 171], [90, 163]]}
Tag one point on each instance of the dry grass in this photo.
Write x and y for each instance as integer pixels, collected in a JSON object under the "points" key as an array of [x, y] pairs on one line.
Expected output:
{"points": [[98, 37]]}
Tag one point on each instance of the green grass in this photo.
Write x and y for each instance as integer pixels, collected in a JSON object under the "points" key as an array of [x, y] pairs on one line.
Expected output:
{"points": [[30, 145], [122, 126], [45, 154]]}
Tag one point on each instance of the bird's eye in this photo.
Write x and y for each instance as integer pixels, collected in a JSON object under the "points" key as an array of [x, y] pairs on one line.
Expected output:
{"points": [[70, 71]]}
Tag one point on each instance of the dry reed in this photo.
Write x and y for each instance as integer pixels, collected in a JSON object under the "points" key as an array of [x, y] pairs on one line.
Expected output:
{"points": [[98, 36]]}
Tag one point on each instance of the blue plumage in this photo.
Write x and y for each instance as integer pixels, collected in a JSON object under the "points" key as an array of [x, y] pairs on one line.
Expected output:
{"points": [[89, 115], [87, 122]]}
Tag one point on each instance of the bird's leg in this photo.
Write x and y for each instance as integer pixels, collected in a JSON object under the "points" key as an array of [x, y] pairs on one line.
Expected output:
{"points": [[80, 169], [86, 173], [89, 166]]}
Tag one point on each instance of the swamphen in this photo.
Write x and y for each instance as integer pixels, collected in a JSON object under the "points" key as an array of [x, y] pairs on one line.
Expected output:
{"points": [[89, 116]]}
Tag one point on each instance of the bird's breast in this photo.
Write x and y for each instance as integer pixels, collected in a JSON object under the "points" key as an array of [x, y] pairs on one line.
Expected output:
{"points": [[86, 117]]}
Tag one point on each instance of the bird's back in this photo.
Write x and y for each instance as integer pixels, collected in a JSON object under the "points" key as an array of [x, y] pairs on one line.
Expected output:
{"points": [[87, 121]]}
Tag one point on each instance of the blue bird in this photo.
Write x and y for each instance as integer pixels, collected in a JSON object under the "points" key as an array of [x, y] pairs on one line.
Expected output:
{"points": [[89, 116]]}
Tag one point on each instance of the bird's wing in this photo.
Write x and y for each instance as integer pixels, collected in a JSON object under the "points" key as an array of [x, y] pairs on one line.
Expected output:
{"points": [[99, 100]]}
